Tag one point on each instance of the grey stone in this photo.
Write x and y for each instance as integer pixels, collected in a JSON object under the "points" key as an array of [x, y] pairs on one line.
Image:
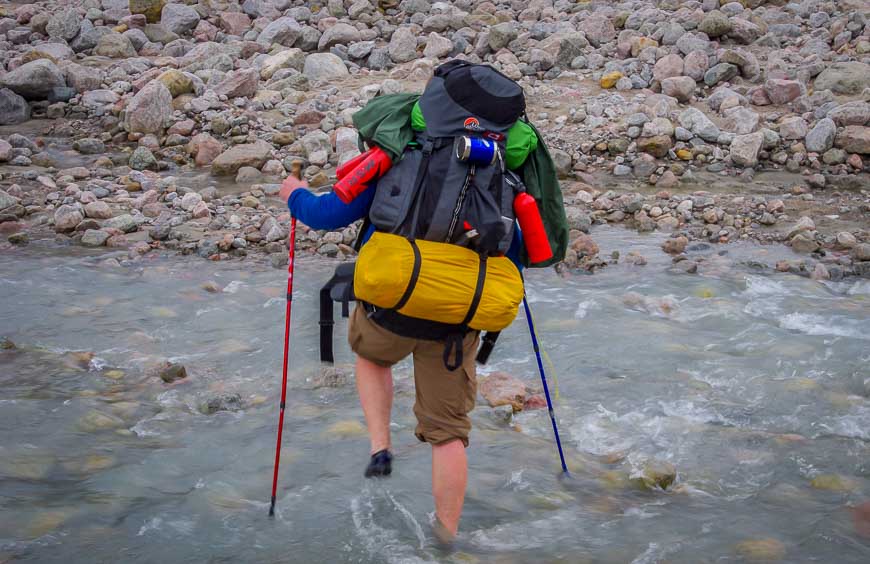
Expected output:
{"points": [[339, 34], [67, 217], [821, 137], [14, 109], [324, 67], [124, 222], [720, 73], [844, 78], [403, 45], [142, 159], [284, 31], [64, 25], [94, 238], [715, 24], [34, 80], [150, 109], [179, 18], [745, 149], [501, 34], [115, 46]]}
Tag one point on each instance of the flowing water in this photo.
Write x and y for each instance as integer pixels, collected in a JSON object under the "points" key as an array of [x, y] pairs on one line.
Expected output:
{"points": [[753, 385]]}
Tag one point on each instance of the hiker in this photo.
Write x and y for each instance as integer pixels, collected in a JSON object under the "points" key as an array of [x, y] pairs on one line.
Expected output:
{"points": [[440, 219]]}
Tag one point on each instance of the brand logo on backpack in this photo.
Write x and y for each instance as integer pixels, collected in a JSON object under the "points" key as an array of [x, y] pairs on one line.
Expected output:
{"points": [[472, 124]]}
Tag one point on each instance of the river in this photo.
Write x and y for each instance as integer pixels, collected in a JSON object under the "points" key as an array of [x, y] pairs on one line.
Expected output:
{"points": [[752, 384]]}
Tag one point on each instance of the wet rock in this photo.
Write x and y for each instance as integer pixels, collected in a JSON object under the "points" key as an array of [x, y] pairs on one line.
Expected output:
{"points": [[803, 243], [94, 421], [34, 80], [861, 252], [844, 78], [761, 550], [7, 201], [675, 245], [252, 154], [833, 483], [324, 67], [500, 388], [205, 149], [142, 159], [14, 109], [333, 376], [169, 372], [345, 429], [658, 474], [124, 222], [584, 245], [223, 402], [94, 238]]}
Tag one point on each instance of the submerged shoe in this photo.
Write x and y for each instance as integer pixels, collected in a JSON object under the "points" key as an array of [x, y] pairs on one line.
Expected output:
{"points": [[381, 464]]}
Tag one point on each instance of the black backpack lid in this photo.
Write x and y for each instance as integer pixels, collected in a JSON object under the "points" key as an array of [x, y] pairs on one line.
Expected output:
{"points": [[483, 91]]}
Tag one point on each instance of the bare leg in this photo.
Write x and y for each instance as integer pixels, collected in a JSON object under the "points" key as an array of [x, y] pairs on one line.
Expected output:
{"points": [[375, 386], [449, 478]]}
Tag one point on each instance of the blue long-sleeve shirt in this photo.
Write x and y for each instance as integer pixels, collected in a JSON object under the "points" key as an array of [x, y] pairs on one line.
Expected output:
{"points": [[327, 211]]}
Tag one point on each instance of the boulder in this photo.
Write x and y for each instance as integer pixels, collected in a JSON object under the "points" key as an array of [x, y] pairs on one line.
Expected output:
{"points": [[64, 25], [564, 46], [150, 109], [598, 29], [151, 9], [176, 82], [115, 46], [696, 64], [94, 238], [745, 149], [124, 222], [680, 87], [83, 78], [720, 73], [844, 78], [403, 46], [668, 66], [288, 58], [781, 91], [324, 67], [284, 31], [251, 154], [34, 80], [500, 388], [179, 18], [437, 46], [501, 34], [98, 210], [821, 136], [7, 201], [234, 23], [14, 109], [204, 148], [854, 139], [67, 217], [715, 24], [339, 34], [241, 83], [142, 159], [794, 127], [851, 113], [657, 146]]}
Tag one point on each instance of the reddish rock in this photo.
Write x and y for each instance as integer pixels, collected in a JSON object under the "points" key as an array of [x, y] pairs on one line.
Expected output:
{"points": [[500, 388], [584, 245], [234, 23], [780, 91], [204, 148], [310, 117], [537, 401], [184, 127], [676, 245], [758, 97], [239, 84]]}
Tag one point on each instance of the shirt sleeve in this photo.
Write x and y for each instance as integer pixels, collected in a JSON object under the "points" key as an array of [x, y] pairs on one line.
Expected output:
{"points": [[327, 211]]}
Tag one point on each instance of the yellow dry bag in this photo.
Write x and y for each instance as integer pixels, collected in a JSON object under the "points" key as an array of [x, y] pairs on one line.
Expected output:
{"points": [[438, 282]]}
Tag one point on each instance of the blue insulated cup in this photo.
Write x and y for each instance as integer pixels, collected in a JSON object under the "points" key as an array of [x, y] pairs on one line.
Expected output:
{"points": [[475, 150]]}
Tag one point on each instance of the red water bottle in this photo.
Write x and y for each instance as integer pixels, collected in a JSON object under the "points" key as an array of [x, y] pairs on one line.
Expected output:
{"points": [[343, 170], [534, 235], [375, 164]]}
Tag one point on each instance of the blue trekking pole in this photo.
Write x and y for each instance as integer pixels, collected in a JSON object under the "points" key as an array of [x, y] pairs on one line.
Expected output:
{"points": [[544, 380]]}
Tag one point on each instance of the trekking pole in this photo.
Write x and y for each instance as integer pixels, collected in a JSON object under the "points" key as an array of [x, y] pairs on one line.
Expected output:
{"points": [[544, 380], [296, 167]]}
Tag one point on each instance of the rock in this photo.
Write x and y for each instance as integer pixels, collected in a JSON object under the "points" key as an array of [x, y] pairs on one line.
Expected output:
{"points": [[67, 217], [176, 82], [761, 550], [169, 372], [34, 80], [675, 245], [696, 64], [5, 151], [124, 222], [324, 67], [861, 252], [500, 388], [658, 474], [7, 201], [338, 34], [241, 83], [150, 109], [821, 137], [746, 61], [745, 149], [223, 402], [234, 23], [833, 483], [205, 149], [142, 159], [179, 18], [720, 73], [803, 243], [288, 58], [715, 24], [680, 87], [115, 46], [852, 113], [698, 123], [98, 210], [598, 29], [668, 66], [284, 31], [657, 146], [151, 9], [610, 79], [89, 146], [564, 46], [252, 154], [437, 46], [584, 245], [793, 128], [844, 78], [94, 238], [846, 240], [403, 46], [781, 91], [64, 25], [14, 109], [740, 120], [854, 139]]}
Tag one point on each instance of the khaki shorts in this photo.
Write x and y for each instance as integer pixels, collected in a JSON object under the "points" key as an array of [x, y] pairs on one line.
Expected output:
{"points": [[444, 398]]}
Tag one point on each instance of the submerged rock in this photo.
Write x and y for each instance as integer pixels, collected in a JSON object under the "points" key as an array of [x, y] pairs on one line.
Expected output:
{"points": [[761, 550], [223, 402], [500, 388], [658, 474], [170, 372]]}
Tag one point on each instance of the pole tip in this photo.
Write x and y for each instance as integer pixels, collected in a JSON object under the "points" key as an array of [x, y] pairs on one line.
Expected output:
{"points": [[272, 508]]}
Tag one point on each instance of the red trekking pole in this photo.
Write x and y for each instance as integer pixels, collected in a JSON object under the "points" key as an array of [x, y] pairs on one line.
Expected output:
{"points": [[292, 252]]}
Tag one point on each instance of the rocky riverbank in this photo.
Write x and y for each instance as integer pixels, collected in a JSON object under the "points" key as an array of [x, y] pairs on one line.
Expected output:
{"points": [[149, 125]]}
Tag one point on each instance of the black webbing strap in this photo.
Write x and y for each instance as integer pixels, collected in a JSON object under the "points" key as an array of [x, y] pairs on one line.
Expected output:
{"points": [[415, 275], [478, 290], [453, 345], [327, 321]]}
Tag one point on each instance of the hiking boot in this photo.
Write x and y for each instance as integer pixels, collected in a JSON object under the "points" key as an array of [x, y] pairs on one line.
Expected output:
{"points": [[381, 464]]}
